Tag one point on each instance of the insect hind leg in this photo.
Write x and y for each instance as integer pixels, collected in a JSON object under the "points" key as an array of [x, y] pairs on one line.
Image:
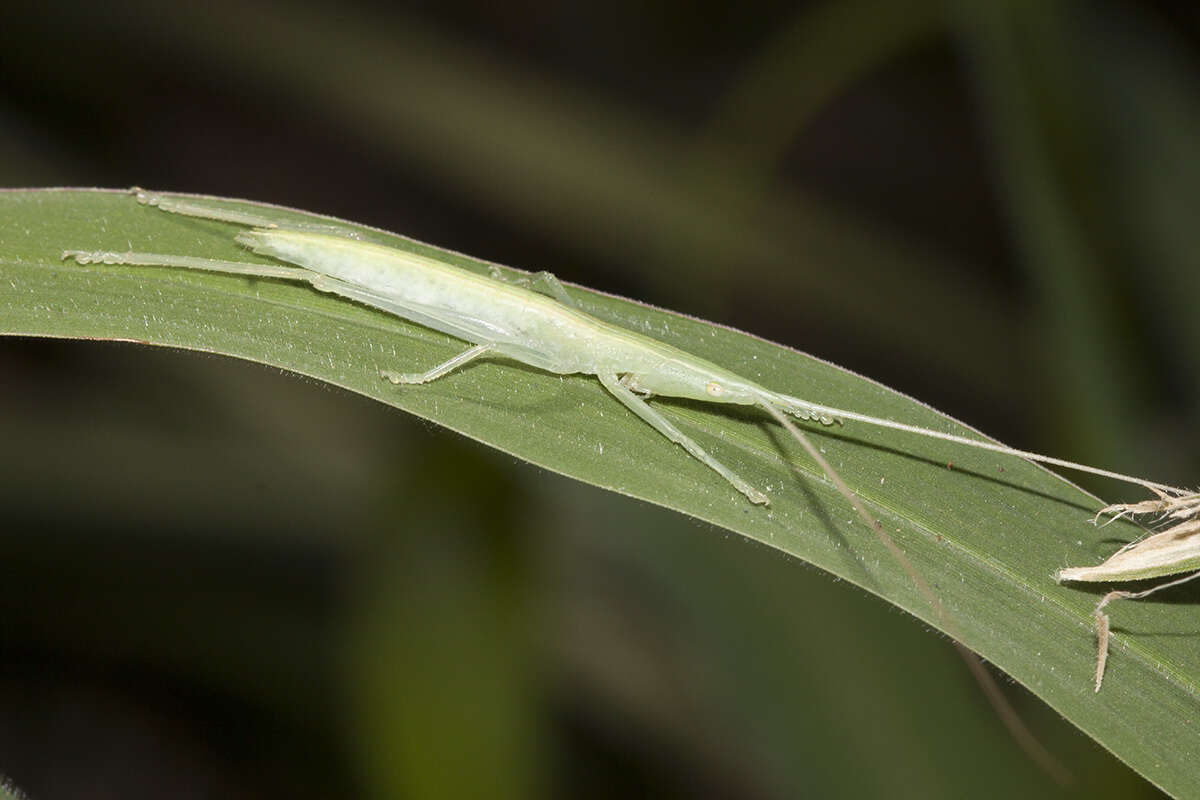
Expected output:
{"points": [[191, 208], [134, 259]]}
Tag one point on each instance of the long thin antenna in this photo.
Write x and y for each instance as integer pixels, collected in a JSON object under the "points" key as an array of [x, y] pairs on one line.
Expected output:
{"points": [[1003, 708], [806, 408]]}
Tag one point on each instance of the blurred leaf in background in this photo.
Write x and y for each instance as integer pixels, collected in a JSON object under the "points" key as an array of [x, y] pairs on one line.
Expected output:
{"points": [[211, 571]]}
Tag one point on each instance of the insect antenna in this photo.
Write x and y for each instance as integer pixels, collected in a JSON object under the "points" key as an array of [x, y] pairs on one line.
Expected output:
{"points": [[1003, 708], [806, 410]]}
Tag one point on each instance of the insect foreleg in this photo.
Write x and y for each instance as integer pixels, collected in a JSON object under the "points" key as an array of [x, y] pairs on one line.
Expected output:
{"points": [[441, 369], [663, 426]]}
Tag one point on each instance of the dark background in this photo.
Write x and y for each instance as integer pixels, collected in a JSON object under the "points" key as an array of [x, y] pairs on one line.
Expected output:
{"points": [[220, 580]]}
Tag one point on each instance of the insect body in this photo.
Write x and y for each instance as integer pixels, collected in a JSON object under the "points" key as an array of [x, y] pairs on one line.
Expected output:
{"points": [[514, 322]]}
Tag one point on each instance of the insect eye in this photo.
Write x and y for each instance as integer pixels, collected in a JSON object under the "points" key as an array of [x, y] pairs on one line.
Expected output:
{"points": [[714, 389]]}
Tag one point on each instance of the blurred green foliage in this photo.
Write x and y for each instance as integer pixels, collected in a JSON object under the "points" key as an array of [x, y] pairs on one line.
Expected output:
{"points": [[207, 578]]}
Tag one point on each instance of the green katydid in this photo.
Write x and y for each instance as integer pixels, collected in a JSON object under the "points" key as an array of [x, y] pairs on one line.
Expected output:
{"points": [[546, 330]]}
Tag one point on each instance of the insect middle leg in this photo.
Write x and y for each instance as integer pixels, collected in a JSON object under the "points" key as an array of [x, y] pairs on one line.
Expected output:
{"points": [[362, 294], [661, 424], [541, 282], [441, 369]]}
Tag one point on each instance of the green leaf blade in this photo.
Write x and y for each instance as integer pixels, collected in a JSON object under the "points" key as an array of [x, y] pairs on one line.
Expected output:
{"points": [[986, 531]]}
